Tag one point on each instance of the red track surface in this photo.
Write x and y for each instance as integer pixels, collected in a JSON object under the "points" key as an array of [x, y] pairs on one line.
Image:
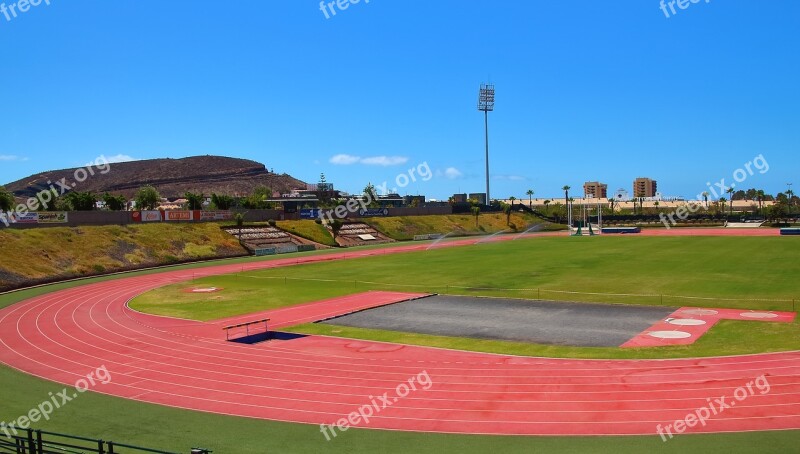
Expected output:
{"points": [[65, 335]]}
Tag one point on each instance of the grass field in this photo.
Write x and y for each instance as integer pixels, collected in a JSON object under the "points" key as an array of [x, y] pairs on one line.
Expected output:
{"points": [[726, 270], [166, 428], [309, 230]]}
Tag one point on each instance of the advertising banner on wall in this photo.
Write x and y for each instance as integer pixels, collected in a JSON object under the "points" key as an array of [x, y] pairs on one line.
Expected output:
{"points": [[309, 213], [26, 218], [178, 215], [214, 215], [53, 218], [151, 216], [374, 212]]}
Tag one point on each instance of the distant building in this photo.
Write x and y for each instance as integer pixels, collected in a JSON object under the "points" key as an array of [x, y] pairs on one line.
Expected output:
{"points": [[595, 190], [621, 194], [459, 198], [644, 187], [479, 196]]}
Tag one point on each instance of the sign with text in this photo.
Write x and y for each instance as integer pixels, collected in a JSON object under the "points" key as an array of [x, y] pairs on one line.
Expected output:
{"points": [[53, 218]]}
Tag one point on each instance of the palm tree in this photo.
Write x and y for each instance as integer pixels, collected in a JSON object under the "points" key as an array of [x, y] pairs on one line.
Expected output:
{"points": [[722, 201], [566, 194], [529, 193], [730, 207], [512, 199], [239, 218], [656, 204], [546, 208], [760, 196], [705, 198], [570, 201]]}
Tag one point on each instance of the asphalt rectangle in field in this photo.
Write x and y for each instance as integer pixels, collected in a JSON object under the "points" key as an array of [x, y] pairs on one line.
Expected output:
{"points": [[541, 322]]}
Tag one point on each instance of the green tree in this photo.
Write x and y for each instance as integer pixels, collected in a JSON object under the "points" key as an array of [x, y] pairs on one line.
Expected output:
{"points": [[147, 198], [6, 199], [566, 194], [507, 210], [761, 196], [476, 211], [791, 200], [705, 198], [81, 201], [558, 212], [258, 200], [371, 195], [529, 193], [729, 191], [194, 201], [114, 202], [336, 226], [222, 202], [238, 218]]}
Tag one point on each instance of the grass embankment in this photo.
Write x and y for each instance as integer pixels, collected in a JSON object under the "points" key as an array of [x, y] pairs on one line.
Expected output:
{"points": [[46, 254], [309, 230], [404, 228], [730, 272], [121, 420]]}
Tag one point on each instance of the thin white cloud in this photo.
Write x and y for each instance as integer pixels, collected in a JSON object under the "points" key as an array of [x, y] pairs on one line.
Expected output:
{"points": [[451, 173], [385, 161], [344, 159], [5, 157], [510, 177]]}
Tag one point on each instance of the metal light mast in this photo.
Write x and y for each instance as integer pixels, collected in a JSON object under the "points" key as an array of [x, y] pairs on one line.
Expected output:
{"points": [[486, 105]]}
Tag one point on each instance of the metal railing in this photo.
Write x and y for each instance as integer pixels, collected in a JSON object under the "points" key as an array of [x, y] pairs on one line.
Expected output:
{"points": [[41, 442]]}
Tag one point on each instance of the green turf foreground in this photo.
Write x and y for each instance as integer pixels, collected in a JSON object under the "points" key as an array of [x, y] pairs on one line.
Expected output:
{"points": [[161, 427]]}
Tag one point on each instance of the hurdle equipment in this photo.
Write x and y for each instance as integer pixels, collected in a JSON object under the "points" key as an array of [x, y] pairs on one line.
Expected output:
{"points": [[246, 326]]}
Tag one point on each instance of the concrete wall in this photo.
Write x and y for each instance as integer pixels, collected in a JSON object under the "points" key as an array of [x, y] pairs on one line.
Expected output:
{"points": [[80, 218]]}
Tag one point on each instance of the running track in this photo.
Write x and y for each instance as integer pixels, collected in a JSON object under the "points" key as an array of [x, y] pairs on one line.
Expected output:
{"points": [[65, 335]]}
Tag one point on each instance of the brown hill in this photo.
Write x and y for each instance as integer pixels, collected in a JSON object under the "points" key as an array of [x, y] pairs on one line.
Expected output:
{"points": [[172, 177]]}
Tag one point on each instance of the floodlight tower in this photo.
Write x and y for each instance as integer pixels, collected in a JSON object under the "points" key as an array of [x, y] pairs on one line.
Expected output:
{"points": [[486, 105]]}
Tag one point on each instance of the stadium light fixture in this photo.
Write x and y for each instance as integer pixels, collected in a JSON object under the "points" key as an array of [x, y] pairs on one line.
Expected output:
{"points": [[486, 105]]}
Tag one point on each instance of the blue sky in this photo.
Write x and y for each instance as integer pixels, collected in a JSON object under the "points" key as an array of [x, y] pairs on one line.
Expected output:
{"points": [[586, 90]]}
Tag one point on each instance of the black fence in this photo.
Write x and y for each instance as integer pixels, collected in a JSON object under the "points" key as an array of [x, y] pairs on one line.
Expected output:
{"points": [[40, 442]]}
